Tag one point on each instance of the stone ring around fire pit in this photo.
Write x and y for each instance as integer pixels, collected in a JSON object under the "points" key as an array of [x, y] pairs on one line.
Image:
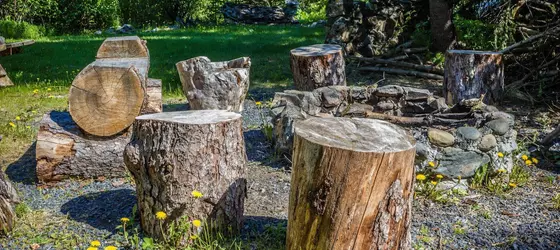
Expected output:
{"points": [[457, 140]]}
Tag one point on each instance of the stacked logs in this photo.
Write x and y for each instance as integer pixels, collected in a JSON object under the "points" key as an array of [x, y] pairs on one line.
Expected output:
{"points": [[104, 100]]}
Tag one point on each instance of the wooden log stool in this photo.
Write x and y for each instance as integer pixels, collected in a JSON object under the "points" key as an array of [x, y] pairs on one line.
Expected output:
{"points": [[173, 154], [352, 185], [473, 74], [318, 66], [4, 79], [215, 85]]}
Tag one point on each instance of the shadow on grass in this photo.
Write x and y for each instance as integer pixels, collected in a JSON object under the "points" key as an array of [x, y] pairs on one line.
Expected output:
{"points": [[101, 210], [262, 232], [24, 169]]}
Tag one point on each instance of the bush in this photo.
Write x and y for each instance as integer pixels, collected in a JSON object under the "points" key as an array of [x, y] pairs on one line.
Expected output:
{"points": [[19, 30], [312, 11], [80, 15]]}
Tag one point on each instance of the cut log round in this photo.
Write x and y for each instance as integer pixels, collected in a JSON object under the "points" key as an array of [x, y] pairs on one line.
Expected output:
{"points": [[215, 85], [473, 74], [108, 94], [318, 66], [8, 200], [4, 79], [64, 151], [352, 185], [123, 47], [153, 102], [174, 153]]}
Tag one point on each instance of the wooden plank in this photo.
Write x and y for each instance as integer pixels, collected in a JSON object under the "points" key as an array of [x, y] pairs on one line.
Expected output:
{"points": [[19, 44]]}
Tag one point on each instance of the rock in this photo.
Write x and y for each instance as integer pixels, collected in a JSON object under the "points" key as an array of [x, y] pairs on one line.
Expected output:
{"points": [[284, 128], [331, 97], [126, 28], [454, 162], [99, 32], [468, 133], [438, 103], [440, 138], [454, 185], [359, 94], [487, 143], [499, 126], [385, 105], [415, 94], [389, 91], [356, 110], [110, 31], [500, 115]]}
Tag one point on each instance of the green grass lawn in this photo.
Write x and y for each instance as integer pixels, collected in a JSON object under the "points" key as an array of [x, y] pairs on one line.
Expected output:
{"points": [[49, 66]]}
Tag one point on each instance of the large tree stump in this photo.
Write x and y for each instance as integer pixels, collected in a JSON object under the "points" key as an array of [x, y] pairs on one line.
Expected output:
{"points": [[108, 94], [8, 200], [64, 151], [4, 79], [123, 47], [171, 154], [473, 74], [215, 85], [318, 66], [352, 185]]}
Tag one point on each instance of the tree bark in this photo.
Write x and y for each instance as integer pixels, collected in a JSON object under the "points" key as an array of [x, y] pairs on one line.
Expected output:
{"points": [[4, 79], [8, 200], [171, 154], [153, 102], [123, 47], [318, 66], [442, 27], [215, 85], [64, 151], [352, 185], [108, 94], [473, 74]]}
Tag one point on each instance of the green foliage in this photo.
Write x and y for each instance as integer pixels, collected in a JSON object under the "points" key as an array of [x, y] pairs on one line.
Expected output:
{"points": [[474, 34], [312, 12], [19, 30], [422, 35], [77, 16], [556, 201]]}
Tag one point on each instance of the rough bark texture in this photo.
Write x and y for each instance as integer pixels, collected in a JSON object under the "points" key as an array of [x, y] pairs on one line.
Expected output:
{"points": [[318, 66], [352, 185], [215, 85], [4, 79], [441, 23], [153, 102], [63, 151], [472, 74], [250, 14], [171, 154], [8, 201], [108, 94], [2, 43], [123, 47]]}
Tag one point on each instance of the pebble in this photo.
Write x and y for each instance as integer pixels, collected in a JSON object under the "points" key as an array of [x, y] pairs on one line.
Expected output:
{"points": [[454, 162], [499, 126], [487, 143], [440, 137], [468, 133]]}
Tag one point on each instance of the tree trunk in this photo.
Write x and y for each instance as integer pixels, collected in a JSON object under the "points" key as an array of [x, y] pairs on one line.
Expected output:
{"points": [[123, 47], [318, 66], [171, 154], [153, 102], [64, 151], [473, 74], [8, 200], [108, 94], [4, 79], [441, 22], [352, 185], [215, 85]]}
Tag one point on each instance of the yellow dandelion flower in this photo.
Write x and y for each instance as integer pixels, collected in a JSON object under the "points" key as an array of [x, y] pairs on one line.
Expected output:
{"points": [[49, 89], [434, 182], [197, 223], [35, 91], [528, 162], [95, 243], [513, 185], [439, 176], [501, 170], [161, 215], [524, 157], [92, 248], [194, 237], [534, 160], [500, 154], [110, 248], [13, 125], [125, 220], [431, 164], [258, 103], [18, 118], [196, 194], [420, 177]]}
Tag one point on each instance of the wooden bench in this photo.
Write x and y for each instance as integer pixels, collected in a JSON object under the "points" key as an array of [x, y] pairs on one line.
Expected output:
{"points": [[14, 48]]}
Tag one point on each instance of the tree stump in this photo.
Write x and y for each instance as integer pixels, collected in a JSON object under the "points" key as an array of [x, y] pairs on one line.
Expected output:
{"points": [[108, 94], [473, 74], [8, 200], [153, 102], [64, 151], [352, 185], [4, 79], [123, 47], [173, 153], [215, 85], [318, 66]]}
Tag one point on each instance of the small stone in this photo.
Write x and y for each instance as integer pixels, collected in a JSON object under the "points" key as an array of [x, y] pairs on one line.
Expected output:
{"points": [[438, 103], [331, 97], [454, 162], [499, 126], [415, 94], [389, 91], [468, 133], [454, 185], [385, 105], [440, 137], [487, 143]]}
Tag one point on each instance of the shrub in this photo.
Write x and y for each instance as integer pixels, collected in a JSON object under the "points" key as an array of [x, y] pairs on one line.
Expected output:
{"points": [[312, 11], [80, 15], [19, 30]]}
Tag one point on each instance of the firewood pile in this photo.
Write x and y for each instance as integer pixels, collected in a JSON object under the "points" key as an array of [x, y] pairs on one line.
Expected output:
{"points": [[250, 14]]}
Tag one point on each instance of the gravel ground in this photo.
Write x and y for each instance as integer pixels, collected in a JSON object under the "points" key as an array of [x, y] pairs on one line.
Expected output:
{"points": [[522, 219]]}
